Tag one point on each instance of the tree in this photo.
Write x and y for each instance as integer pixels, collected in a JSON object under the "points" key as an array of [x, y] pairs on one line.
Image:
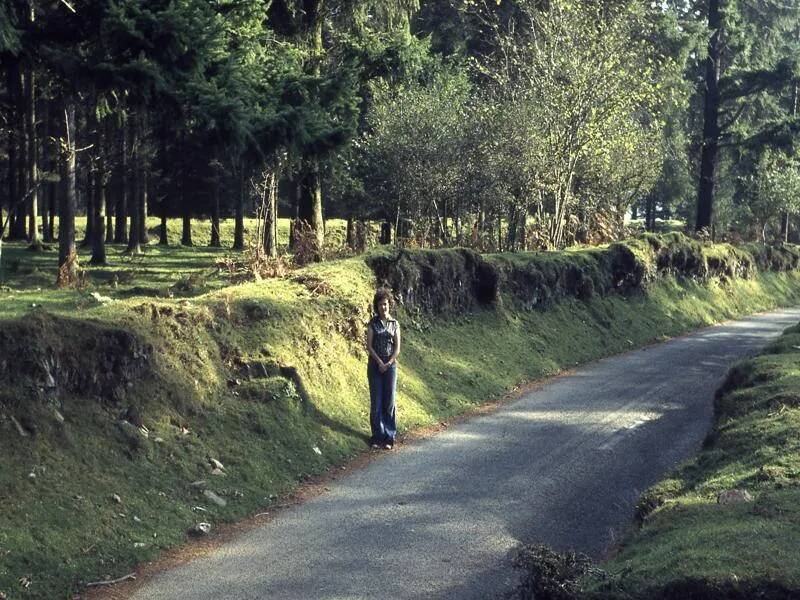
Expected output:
{"points": [[588, 79], [747, 58]]}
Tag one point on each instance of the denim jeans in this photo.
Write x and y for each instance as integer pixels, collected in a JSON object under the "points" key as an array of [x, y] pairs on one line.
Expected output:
{"points": [[381, 403]]}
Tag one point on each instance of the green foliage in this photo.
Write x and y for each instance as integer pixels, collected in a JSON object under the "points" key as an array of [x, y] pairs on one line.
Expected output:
{"points": [[768, 191], [414, 145]]}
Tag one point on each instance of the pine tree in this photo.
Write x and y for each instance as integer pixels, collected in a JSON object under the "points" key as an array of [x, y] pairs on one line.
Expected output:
{"points": [[749, 58]]}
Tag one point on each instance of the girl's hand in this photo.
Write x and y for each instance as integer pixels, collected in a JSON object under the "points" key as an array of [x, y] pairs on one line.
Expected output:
{"points": [[382, 367]]}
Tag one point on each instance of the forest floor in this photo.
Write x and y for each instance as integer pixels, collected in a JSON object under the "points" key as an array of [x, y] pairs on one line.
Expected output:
{"points": [[265, 377], [27, 278]]}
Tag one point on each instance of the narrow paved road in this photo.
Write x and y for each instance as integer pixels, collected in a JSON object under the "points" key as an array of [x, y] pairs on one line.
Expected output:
{"points": [[440, 518]]}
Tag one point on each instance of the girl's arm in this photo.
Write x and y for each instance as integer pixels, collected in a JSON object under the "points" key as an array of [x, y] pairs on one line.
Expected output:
{"points": [[370, 350]]}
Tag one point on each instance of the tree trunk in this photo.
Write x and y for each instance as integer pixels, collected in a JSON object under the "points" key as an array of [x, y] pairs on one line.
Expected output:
{"points": [[16, 153], [186, 236], [163, 234], [386, 232], [98, 239], [53, 201], [67, 257], [310, 202], [144, 185], [121, 206], [271, 216], [215, 241], [144, 182], [499, 233], [134, 239], [784, 227], [351, 232], [710, 144], [11, 177], [33, 165], [46, 214], [310, 205], [238, 232], [99, 203], [88, 237], [109, 218], [650, 213], [511, 234]]}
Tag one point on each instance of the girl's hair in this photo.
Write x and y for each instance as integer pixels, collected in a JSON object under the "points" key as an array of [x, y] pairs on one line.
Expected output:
{"points": [[380, 295]]}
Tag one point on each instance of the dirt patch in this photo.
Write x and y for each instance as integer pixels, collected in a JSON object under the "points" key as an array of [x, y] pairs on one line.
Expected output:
{"points": [[49, 356], [438, 281]]}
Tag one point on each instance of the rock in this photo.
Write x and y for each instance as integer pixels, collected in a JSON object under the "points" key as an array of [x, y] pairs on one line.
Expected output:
{"points": [[198, 484], [133, 416], [217, 464], [20, 430], [118, 393], [131, 435], [116, 498], [139, 545], [317, 450], [200, 529], [59, 417], [735, 496], [214, 498], [218, 472], [137, 519], [100, 299]]}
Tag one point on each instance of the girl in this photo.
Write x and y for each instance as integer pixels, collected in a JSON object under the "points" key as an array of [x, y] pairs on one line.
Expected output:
{"points": [[383, 346]]}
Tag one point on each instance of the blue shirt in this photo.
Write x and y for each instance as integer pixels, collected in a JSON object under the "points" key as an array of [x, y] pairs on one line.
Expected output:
{"points": [[383, 337]]}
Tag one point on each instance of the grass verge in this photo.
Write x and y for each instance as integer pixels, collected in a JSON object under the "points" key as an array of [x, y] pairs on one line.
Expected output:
{"points": [[727, 523]]}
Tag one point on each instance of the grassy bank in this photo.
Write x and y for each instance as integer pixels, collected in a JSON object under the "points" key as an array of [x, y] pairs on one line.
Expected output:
{"points": [[268, 379], [692, 544]]}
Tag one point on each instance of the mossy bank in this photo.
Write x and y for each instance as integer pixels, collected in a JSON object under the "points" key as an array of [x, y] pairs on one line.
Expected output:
{"points": [[124, 426]]}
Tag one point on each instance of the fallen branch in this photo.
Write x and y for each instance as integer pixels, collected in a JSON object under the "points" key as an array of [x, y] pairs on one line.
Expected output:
{"points": [[112, 581]]}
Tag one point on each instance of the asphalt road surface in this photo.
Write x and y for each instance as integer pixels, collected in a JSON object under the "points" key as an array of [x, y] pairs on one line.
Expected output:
{"points": [[442, 517]]}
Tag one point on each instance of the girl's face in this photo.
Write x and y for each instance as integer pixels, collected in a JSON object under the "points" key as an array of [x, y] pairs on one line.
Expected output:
{"points": [[383, 308]]}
